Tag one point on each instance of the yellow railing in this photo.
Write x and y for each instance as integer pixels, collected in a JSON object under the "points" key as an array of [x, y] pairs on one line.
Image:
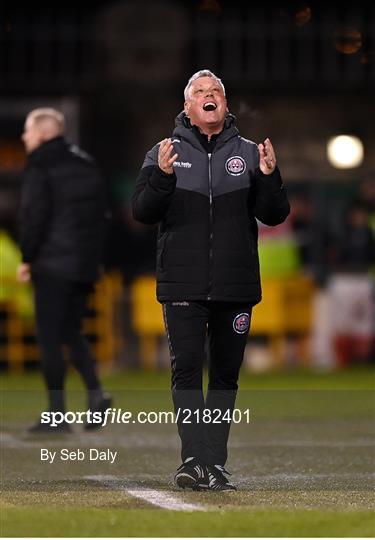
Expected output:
{"points": [[17, 332], [286, 309]]}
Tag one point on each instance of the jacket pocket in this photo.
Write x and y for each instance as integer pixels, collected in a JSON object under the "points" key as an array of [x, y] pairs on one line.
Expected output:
{"points": [[253, 240], [162, 248], [252, 247]]}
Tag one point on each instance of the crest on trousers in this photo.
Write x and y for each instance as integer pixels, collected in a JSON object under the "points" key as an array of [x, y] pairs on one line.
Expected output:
{"points": [[241, 323], [235, 165]]}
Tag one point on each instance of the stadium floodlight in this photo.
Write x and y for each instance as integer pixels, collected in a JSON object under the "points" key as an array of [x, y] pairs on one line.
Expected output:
{"points": [[345, 151]]}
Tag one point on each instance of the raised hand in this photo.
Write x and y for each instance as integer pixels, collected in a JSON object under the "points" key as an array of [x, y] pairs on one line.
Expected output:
{"points": [[267, 158], [165, 157], [23, 273]]}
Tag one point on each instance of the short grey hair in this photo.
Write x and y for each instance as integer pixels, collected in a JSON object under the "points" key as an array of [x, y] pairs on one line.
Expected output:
{"points": [[198, 75], [48, 116]]}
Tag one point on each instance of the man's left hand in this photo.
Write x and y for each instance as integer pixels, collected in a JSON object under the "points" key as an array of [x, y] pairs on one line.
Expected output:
{"points": [[267, 158]]}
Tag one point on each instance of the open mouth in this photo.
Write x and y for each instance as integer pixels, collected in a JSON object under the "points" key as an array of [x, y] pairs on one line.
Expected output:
{"points": [[209, 106]]}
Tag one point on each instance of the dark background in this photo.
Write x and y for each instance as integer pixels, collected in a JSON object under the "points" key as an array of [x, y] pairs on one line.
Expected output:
{"points": [[298, 73]]}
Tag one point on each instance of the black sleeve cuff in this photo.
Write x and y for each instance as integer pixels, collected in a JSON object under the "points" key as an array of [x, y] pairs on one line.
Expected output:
{"points": [[161, 180], [271, 181]]}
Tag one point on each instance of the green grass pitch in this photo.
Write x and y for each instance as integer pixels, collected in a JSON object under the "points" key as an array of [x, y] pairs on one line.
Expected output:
{"points": [[304, 463]]}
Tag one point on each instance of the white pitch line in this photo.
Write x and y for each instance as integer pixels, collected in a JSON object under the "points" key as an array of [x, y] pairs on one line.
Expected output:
{"points": [[152, 496]]}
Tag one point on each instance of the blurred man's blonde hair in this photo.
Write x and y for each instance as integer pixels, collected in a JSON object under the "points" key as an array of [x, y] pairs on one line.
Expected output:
{"points": [[50, 121]]}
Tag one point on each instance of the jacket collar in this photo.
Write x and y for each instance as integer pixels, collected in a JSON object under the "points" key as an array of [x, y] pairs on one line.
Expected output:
{"points": [[184, 130], [53, 145]]}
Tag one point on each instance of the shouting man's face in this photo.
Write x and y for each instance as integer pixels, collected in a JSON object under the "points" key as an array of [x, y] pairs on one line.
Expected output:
{"points": [[206, 105]]}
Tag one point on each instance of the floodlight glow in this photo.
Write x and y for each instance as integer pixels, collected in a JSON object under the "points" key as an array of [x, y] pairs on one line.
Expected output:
{"points": [[345, 151]]}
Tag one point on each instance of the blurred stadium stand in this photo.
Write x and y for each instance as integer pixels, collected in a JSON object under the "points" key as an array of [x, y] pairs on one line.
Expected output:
{"points": [[257, 45], [296, 73]]}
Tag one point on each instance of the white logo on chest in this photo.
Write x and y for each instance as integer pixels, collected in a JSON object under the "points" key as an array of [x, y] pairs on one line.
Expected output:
{"points": [[183, 164]]}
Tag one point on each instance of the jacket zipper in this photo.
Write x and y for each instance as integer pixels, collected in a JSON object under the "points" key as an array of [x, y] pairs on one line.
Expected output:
{"points": [[211, 237]]}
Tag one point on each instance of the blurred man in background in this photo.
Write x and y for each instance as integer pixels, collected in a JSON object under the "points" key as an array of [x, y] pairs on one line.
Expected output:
{"points": [[206, 186], [62, 224]]}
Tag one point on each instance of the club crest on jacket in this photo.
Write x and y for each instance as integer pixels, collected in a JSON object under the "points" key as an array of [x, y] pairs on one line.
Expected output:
{"points": [[235, 165]]}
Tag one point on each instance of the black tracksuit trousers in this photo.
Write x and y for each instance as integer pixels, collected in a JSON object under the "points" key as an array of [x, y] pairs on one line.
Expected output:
{"points": [[224, 326], [60, 306]]}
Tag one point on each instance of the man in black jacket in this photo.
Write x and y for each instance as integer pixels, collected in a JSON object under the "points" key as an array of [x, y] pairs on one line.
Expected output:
{"points": [[61, 229], [206, 187]]}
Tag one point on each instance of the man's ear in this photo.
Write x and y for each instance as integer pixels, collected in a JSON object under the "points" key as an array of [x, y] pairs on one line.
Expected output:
{"points": [[186, 108]]}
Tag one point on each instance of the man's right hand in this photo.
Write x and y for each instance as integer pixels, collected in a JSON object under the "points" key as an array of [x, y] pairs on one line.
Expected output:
{"points": [[23, 273], [165, 160]]}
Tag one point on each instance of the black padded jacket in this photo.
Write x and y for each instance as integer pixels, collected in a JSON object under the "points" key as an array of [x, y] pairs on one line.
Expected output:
{"points": [[62, 214], [207, 210]]}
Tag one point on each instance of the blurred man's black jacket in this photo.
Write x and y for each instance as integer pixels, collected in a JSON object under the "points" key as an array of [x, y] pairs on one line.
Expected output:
{"points": [[63, 207]]}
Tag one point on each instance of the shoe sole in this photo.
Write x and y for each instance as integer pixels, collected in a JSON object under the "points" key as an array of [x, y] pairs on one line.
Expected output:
{"points": [[184, 480], [49, 432], [231, 490], [201, 487]]}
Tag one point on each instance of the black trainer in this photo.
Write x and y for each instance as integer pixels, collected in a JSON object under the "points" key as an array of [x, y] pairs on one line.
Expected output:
{"points": [[40, 427], [102, 404], [191, 474], [217, 481]]}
